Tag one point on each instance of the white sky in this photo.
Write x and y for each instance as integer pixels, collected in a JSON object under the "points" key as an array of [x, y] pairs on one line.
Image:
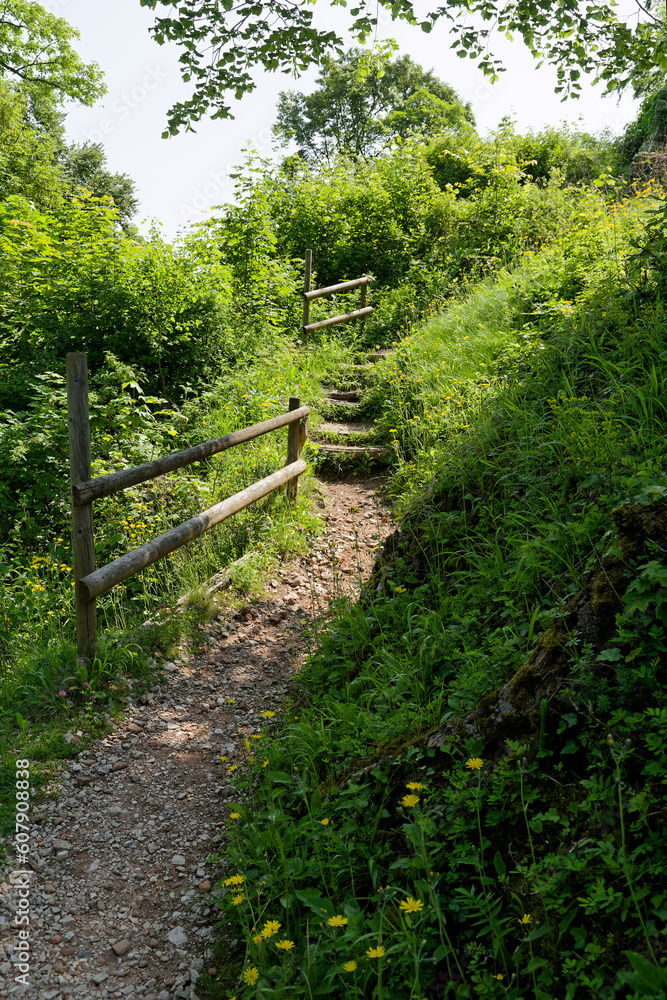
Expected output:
{"points": [[179, 179]]}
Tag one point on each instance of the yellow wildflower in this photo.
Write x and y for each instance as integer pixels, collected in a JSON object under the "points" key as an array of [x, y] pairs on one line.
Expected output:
{"points": [[270, 928], [325, 822], [415, 786], [474, 763], [285, 945], [267, 715], [350, 966], [411, 905], [409, 801], [376, 952], [337, 921], [235, 815], [251, 975], [234, 880], [238, 899], [525, 919]]}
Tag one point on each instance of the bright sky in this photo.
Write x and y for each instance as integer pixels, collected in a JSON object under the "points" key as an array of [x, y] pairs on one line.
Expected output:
{"points": [[179, 179]]}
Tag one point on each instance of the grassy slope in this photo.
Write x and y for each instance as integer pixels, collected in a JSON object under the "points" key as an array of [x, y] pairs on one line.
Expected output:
{"points": [[524, 415]]}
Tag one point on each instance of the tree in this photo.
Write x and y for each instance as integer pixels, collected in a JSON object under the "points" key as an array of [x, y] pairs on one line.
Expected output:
{"points": [[359, 108], [30, 137], [35, 49], [223, 40], [85, 168]]}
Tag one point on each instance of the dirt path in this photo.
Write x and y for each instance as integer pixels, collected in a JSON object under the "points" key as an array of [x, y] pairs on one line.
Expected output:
{"points": [[118, 895]]}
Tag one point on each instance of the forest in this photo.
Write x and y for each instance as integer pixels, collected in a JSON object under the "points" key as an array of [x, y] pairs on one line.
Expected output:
{"points": [[501, 678]]}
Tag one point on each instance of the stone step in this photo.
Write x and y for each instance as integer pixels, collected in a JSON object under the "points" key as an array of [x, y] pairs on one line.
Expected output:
{"points": [[357, 451], [341, 404], [343, 395], [374, 356], [344, 430]]}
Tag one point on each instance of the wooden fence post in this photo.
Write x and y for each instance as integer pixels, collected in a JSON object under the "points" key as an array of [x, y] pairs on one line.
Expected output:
{"points": [[306, 288], [83, 547], [294, 446], [362, 305]]}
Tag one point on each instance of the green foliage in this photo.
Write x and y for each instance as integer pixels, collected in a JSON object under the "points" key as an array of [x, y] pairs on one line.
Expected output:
{"points": [[27, 151], [94, 289], [221, 43], [467, 161], [361, 106], [85, 167], [647, 132], [35, 48], [523, 415]]}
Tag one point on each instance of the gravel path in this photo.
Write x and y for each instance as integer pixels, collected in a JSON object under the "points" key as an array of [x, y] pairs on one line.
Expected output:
{"points": [[119, 902]]}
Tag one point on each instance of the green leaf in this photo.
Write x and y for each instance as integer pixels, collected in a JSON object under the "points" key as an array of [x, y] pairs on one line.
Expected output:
{"points": [[312, 899], [539, 932], [499, 865], [649, 975]]}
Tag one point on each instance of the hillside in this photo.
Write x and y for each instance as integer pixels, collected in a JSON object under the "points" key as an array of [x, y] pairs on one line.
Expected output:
{"points": [[464, 793]]}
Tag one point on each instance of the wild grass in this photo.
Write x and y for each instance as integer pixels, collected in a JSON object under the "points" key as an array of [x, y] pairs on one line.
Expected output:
{"points": [[367, 863], [37, 607]]}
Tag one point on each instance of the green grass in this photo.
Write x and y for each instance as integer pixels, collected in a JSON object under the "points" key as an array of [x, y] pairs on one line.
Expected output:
{"points": [[523, 415]]}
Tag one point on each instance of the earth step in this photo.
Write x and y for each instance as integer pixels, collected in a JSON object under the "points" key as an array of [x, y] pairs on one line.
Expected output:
{"points": [[343, 395], [379, 355], [372, 451], [345, 429], [342, 404]]}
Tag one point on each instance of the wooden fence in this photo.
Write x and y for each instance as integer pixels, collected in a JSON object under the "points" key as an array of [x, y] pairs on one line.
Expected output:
{"points": [[345, 286], [91, 582]]}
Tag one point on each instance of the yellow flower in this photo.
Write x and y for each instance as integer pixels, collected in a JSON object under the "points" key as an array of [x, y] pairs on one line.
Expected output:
{"points": [[409, 800], [350, 966], [375, 952], [325, 822], [233, 767], [267, 715], [234, 880], [251, 975], [258, 939], [498, 975], [399, 590], [270, 928], [238, 899], [474, 763], [235, 815], [525, 919], [411, 905], [337, 921], [285, 945], [265, 762], [415, 786]]}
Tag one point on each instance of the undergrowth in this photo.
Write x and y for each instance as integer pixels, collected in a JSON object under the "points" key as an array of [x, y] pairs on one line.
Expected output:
{"points": [[518, 855]]}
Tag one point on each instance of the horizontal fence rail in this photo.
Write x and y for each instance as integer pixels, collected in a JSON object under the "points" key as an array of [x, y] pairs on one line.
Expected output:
{"points": [[344, 286], [94, 489], [91, 582], [120, 569], [344, 318]]}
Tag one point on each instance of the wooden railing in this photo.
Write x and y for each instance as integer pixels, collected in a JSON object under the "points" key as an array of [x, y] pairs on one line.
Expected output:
{"points": [[91, 582], [345, 286]]}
